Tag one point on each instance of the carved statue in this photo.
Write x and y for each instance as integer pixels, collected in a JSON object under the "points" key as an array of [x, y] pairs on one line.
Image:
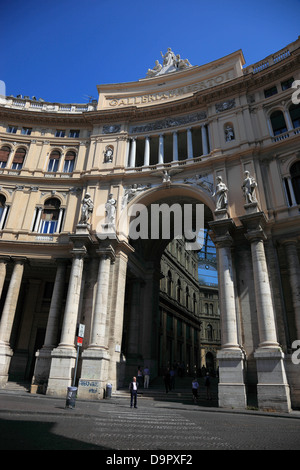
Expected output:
{"points": [[86, 209], [108, 155], [171, 63], [229, 133], [157, 68], [249, 187], [169, 58], [221, 194], [110, 207]]}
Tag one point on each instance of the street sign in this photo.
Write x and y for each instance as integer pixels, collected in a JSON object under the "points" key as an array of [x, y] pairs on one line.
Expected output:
{"points": [[81, 330]]}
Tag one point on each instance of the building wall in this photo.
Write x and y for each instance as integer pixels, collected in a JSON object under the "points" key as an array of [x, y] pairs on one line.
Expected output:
{"points": [[169, 145]]}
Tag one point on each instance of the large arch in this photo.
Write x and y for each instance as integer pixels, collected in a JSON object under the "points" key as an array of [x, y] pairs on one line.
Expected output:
{"points": [[141, 313]]}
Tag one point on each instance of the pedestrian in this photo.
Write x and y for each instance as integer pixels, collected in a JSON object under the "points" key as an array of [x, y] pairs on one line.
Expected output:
{"points": [[140, 376], [167, 380], [195, 386], [146, 377], [207, 385], [133, 387], [172, 379]]}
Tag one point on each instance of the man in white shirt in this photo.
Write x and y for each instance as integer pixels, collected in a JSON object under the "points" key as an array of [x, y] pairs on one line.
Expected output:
{"points": [[133, 387]]}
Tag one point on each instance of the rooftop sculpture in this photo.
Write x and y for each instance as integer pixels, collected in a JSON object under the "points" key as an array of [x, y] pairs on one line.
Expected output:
{"points": [[171, 63]]}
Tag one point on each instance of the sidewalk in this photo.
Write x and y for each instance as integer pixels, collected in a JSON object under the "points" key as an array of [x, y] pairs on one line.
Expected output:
{"points": [[22, 402]]}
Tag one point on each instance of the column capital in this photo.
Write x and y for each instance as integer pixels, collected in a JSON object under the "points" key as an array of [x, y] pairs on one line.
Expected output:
{"points": [[254, 223], [222, 229]]}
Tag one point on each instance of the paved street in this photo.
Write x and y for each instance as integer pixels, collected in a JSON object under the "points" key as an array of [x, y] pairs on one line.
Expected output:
{"points": [[36, 422]]}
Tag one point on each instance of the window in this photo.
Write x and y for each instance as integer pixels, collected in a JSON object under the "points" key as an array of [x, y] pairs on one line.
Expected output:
{"points": [[3, 211], [54, 161], [60, 133], [270, 91], [4, 154], [69, 162], [74, 133], [49, 218], [169, 283], [278, 123], [26, 130], [18, 159], [12, 129], [295, 115], [287, 84], [295, 175]]}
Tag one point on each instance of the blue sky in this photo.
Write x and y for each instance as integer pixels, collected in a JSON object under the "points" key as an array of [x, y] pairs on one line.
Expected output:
{"points": [[60, 50]]}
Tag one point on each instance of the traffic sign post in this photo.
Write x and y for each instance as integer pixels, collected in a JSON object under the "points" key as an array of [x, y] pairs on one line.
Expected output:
{"points": [[80, 336]]}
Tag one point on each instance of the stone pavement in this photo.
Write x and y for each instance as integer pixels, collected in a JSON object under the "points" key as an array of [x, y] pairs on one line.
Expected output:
{"points": [[160, 424]]}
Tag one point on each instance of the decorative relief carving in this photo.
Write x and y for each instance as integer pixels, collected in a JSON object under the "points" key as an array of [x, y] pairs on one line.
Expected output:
{"points": [[169, 122], [220, 107], [111, 129]]}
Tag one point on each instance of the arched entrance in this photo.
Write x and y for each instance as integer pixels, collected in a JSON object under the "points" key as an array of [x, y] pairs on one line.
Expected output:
{"points": [[150, 338]]}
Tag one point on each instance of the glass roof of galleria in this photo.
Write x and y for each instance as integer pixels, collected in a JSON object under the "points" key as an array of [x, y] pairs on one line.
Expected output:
{"points": [[207, 265]]}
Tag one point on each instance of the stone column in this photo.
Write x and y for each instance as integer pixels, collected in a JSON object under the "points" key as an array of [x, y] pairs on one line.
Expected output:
{"points": [[147, 151], [175, 147], [272, 388], [161, 149], [7, 318], [64, 356], [204, 140], [132, 155], [189, 143], [95, 358], [3, 264], [231, 357], [294, 276], [292, 194], [43, 356]]}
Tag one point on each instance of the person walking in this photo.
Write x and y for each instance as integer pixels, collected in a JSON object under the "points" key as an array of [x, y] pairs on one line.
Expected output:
{"points": [[195, 386], [146, 377], [140, 377], [133, 387]]}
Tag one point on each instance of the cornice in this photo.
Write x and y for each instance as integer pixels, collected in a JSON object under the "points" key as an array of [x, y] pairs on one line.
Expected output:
{"points": [[244, 84]]}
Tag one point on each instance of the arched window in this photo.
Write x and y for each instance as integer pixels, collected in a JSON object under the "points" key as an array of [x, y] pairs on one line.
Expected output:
{"points": [[278, 123], [4, 154], [19, 159], [3, 211], [206, 309], [69, 162], [294, 110], [48, 219], [53, 161], [295, 176], [209, 331]]}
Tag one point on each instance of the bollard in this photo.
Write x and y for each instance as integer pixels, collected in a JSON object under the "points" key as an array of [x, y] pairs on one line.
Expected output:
{"points": [[71, 397]]}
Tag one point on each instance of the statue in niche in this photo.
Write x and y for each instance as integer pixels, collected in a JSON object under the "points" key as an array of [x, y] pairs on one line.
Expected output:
{"points": [[110, 207], [229, 133], [86, 209], [221, 194], [249, 187], [108, 155]]}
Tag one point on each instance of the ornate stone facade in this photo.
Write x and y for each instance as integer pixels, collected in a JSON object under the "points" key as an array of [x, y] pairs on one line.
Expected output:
{"points": [[170, 138]]}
